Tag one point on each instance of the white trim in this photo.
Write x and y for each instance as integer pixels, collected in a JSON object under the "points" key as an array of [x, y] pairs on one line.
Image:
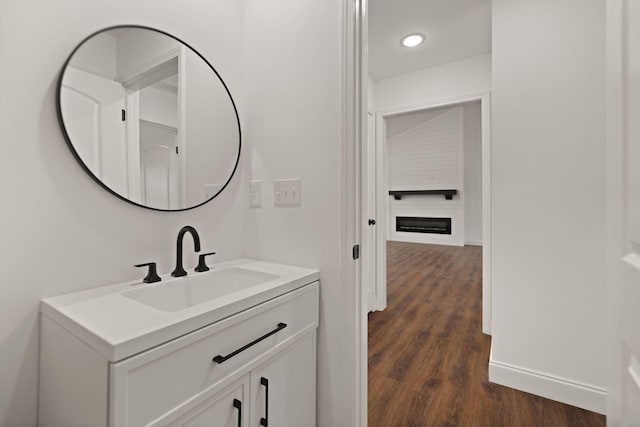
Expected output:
{"points": [[133, 145], [353, 128], [563, 390], [383, 190], [617, 105], [462, 194], [434, 103], [182, 127], [485, 118], [382, 209], [133, 84], [369, 265]]}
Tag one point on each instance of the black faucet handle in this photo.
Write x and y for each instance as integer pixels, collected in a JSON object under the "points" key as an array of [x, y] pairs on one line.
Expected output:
{"points": [[152, 274], [202, 266]]}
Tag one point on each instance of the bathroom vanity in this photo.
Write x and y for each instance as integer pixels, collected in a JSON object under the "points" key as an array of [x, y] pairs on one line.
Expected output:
{"points": [[234, 346]]}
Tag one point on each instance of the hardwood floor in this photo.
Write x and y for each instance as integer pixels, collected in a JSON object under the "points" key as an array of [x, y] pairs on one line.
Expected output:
{"points": [[427, 354]]}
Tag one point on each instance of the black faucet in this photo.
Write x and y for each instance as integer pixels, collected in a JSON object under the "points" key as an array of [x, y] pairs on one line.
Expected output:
{"points": [[179, 270]]}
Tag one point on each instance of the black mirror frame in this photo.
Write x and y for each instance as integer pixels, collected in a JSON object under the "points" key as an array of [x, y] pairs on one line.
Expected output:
{"points": [[82, 163]]}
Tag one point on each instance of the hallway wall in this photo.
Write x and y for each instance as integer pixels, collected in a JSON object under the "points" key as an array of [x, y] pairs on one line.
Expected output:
{"points": [[455, 79], [548, 175]]}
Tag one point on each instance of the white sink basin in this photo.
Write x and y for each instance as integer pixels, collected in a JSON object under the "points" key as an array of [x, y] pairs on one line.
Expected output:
{"points": [[196, 289], [124, 319]]}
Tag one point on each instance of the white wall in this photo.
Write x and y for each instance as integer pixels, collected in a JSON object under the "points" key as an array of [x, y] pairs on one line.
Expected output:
{"points": [[466, 77], [210, 126], [401, 123], [428, 156], [472, 130], [293, 131], [548, 224], [159, 106], [61, 232], [138, 48], [98, 55], [371, 94]]}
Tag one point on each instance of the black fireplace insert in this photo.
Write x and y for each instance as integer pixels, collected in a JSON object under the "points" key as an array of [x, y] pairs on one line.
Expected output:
{"points": [[414, 224]]}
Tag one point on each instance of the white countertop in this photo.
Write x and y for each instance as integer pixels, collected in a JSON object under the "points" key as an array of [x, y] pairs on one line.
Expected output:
{"points": [[119, 327]]}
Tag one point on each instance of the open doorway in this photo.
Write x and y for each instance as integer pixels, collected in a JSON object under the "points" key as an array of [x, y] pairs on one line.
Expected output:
{"points": [[426, 342], [450, 69], [426, 186], [429, 182], [428, 356]]}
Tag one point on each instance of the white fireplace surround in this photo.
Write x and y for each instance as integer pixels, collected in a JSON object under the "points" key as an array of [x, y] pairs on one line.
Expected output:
{"points": [[427, 151], [428, 206]]}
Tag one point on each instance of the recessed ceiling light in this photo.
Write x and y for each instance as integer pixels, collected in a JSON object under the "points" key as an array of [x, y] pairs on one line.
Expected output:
{"points": [[412, 40]]}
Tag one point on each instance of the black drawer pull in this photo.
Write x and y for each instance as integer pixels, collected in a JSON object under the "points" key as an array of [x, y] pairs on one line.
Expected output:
{"points": [[238, 405], [264, 422], [220, 358]]}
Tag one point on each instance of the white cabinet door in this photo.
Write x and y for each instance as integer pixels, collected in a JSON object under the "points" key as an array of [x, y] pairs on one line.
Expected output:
{"points": [[283, 389], [227, 408]]}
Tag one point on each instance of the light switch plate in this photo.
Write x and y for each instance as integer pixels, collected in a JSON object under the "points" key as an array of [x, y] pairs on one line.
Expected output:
{"points": [[255, 193], [287, 192]]}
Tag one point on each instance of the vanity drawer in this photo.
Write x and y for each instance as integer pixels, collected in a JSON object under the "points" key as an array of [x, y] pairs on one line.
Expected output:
{"points": [[174, 375]]}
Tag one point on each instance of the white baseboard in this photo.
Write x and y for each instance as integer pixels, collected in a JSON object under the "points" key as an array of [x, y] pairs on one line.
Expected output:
{"points": [[574, 393], [473, 243]]}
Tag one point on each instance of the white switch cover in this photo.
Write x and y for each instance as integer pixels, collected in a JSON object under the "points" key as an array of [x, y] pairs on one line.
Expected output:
{"points": [[255, 194], [287, 192]]}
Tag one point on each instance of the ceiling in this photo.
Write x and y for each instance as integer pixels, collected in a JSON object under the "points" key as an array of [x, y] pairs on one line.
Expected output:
{"points": [[454, 30]]}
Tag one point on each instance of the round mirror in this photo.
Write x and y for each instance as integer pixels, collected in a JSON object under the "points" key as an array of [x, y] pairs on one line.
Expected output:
{"points": [[149, 118]]}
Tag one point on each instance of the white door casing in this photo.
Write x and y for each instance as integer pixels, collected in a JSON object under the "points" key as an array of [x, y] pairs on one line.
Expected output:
{"points": [[623, 211], [383, 207], [157, 69], [370, 259]]}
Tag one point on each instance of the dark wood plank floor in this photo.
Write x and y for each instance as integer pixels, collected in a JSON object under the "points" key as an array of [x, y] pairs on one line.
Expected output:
{"points": [[427, 354]]}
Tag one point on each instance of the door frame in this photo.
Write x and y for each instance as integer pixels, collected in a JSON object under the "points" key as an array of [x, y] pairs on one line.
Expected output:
{"points": [[132, 84], [369, 195], [623, 261], [382, 155], [353, 129]]}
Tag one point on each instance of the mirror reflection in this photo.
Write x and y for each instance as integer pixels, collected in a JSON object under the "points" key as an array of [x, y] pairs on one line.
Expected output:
{"points": [[149, 118]]}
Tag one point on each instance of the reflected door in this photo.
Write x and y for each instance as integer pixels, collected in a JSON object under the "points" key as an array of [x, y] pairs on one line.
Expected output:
{"points": [[159, 165], [94, 108]]}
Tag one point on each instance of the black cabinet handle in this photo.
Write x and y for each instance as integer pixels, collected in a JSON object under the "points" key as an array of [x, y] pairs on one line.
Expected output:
{"points": [[372, 222], [220, 359], [265, 421], [238, 405]]}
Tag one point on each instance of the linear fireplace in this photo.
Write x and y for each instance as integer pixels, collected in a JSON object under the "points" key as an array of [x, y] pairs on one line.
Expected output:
{"points": [[414, 224]]}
